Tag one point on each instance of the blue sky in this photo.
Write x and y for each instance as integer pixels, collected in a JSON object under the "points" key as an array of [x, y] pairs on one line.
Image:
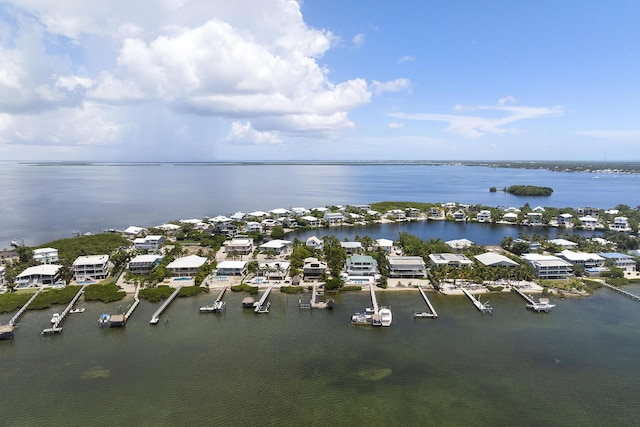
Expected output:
{"points": [[203, 80]]}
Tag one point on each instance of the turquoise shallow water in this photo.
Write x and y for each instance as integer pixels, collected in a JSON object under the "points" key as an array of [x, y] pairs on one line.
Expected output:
{"points": [[575, 366]]}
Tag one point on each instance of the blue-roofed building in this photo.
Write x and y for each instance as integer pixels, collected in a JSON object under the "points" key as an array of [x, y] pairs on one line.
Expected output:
{"points": [[622, 261]]}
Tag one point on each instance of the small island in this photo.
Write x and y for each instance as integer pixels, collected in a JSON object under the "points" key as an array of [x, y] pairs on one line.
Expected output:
{"points": [[529, 190]]}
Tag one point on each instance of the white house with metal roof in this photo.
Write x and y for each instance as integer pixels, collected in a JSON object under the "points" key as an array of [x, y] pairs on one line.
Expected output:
{"points": [[91, 267], [277, 246], [46, 255], [38, 276], [584, 259], [231, 268], [548, 266], [492, 259], [187, 266], [452, 260], [143, 264], [407, 266]]}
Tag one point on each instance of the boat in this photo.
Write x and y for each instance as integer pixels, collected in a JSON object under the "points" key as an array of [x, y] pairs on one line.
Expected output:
{"points": [[55, 318], [385, 316], [361, 319], [77, 310], [543, 304], [217, 307], [104, 320]]}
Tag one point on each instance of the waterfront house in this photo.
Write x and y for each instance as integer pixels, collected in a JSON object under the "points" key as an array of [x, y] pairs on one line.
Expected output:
{"points": [[228, 229], [483, 216], [219, 219], [534, 218], [491, 259], [407, 266], [258, 214], [314, 243], [459, 244], [385, 244], [311, 221], [361, 265], [459, 215], [449, 205], [91, 267], [238, 247], [396, 214], [279, 212], [143, 264], [362, 208], [238, 216], [412, 212], [46, 255], [565, 219], [548, 266], [334, 218], [187, 266], [39, 276], [538, 209], [588, 211], [313, 268], [2, 270], [435, 214], [452, 260], [351, 248], [149, 243], [510, 217], [622, 261], [583, 259], [620, 223], [274, 270], [278, 246], [589, 222], [9, 257], [232, 268], [169, 228]]}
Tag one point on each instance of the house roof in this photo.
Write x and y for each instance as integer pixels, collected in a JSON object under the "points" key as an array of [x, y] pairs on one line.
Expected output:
{"points": [[351, 245], [406, 260], [91, 260], [191, 261], [563, 242], [579, 256], [44, 251], [491, 259], [459, 243], [42, 270], [150, 258], [231, 265], [132, 229], [614, 255], [275, 244], [384, 243]]}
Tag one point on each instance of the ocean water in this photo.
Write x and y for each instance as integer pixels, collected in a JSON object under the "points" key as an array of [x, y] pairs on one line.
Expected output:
{"points": [[291, 367], [43, 202]]}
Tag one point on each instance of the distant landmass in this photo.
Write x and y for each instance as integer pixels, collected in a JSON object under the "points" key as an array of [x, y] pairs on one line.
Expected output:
{"points": [[529, 190]]}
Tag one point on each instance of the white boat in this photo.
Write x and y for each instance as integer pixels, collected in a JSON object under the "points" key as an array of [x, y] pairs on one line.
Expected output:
{"points": [[385, 316], [361, 319], [55, 318], [77, 310], [423, 315], [542, 305]]}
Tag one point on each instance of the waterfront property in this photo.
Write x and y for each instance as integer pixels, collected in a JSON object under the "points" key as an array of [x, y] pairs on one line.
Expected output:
{"points": [[452, 260], [407, 266], [548, 266], [278, 246], [187, 266], [231, 268], [459, 244], [143, 264], [276, 270], [314, 243], [38, 276], [361, 265], [492, 259], [9, 257], [351, 248], [313, 268], [91, 267], [583, 259], [622, 261]]}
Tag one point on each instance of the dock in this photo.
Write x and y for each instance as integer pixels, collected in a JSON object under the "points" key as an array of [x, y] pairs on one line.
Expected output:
{"points": [[56, 328], [156, 316], [136, 301], [218, 304], [622, 291], [260, 306], [482, 307], [542, 305], [376, 316], [314, 303], [7, 330], [431, 314]]}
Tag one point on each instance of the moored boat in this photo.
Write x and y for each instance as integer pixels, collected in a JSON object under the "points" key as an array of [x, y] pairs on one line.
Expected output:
{"points": [[55, 318], [386, 316]]}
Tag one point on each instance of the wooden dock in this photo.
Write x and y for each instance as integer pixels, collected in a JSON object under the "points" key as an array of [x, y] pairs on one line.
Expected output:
{"points": [[156, 316], [540, 306], [482, 307], [14, 319], [260, 306], [218, 304], [432, 314], [56, 328], [523, 295], [622, 291], [314, 303]]}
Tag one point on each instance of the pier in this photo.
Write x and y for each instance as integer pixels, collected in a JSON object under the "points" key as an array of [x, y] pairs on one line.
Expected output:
{"points": [[542, 305], [622, 291], [260, 306], [376, 316], [482, 307], [218, 304], [156, 316], [56, 328], [14, 319], [136, 301], [431, 314], [314, 303]]}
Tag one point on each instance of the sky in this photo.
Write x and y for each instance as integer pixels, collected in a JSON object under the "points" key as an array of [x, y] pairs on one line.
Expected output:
{"points": [[218, 80]]}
